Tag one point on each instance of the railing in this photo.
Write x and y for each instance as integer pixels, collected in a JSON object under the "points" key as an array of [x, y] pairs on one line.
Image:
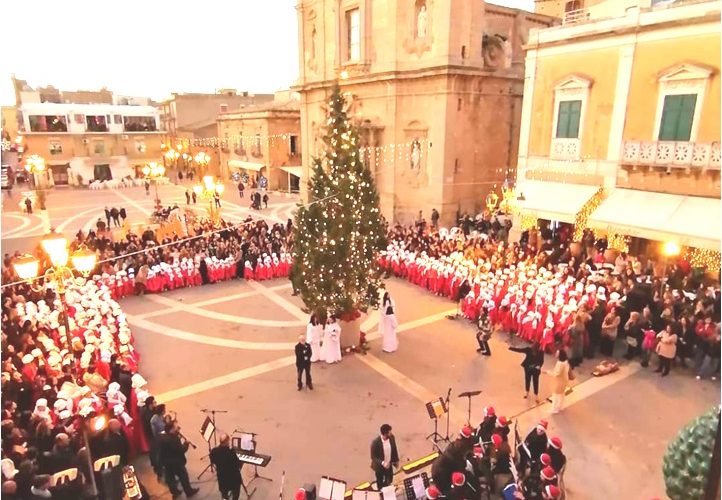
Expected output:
{"points": [[576, 16], [671, 154], [565, 149]]}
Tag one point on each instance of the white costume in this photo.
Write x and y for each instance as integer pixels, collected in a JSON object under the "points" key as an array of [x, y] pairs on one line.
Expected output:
{"points": [[331, 350], [389, 340], [314, 333]]}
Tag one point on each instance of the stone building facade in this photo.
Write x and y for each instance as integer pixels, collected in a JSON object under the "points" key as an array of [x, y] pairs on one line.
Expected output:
{"points": [[434, 86]]}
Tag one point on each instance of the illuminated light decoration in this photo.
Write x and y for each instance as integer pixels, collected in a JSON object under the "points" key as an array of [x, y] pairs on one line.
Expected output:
{"points": [[671, 249], [582, 217], [616, 241], [704, 258], [528, 221]]}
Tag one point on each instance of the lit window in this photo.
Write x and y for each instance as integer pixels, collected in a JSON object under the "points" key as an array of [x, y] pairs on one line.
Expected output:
{"points": [[353, 31]]}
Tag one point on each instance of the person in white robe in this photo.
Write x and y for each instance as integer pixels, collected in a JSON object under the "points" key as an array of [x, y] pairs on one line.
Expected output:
{"points": [[388, 324], [332, 341], [314, 334]]}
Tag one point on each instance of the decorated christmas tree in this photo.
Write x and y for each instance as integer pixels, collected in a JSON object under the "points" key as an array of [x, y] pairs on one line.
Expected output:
{"points": [[339, 233], [688, 461]]}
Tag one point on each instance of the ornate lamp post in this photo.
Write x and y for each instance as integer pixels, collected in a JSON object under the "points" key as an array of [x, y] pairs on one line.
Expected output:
{"points": [[172, 156], [152, 172], [208, 190], [35, 164], [56, 246], [491, 201], [202, 159]]}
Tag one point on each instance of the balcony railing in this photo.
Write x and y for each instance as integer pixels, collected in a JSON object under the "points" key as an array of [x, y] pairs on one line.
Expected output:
{"points": [[671, 154], [576, 16], [565, 149]]}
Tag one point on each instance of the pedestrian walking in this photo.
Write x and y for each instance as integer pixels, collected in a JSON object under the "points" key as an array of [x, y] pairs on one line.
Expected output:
{"points": [[123, 214], [188, 197], [435, 218], [561, 375], [107, 216], [265, 200], [303, 362], [483, 333], [217, 199], [388, 324], [147, 188], [194, 196], [28, 205], [532, 364], [241, 188], [115, 214]]}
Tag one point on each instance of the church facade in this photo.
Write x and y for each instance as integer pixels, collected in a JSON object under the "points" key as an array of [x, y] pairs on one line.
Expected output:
{"points": [[435, 88]]}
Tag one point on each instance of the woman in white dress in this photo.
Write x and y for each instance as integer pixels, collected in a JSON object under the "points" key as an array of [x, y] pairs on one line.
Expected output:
{"points": [[332, 341], [314, 333], [389, 340]]}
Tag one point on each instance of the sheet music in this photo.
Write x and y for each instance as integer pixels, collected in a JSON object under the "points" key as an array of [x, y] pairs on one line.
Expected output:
{"points": [[418, 484], [324, 489], [389, 492], [339, 490], [208, 429], [247, 442]]}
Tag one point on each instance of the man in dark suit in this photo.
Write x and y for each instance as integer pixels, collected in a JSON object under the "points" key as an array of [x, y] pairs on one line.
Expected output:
{"points": [[173, 456], [303, 362], [228, 469], [384, 456]]}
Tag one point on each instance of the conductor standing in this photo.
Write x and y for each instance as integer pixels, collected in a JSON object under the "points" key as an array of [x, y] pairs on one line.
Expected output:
{"points": [[228, 469], [384, 456], [303, 362]]}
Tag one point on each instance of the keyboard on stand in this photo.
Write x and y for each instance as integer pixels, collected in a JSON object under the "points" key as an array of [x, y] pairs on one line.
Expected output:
{"points": [[253, 459]]}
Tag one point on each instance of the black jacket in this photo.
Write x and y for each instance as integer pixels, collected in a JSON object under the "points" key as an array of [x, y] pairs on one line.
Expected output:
{"points": [[531, 360], [228, 468], [172, 452], [303, 355], [377, 453]]}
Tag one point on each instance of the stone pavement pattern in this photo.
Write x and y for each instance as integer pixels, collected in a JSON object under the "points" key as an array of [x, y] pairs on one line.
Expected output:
{"points": [[229, 346]]}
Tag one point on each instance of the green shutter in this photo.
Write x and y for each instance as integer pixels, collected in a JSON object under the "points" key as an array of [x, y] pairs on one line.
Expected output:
{"points": [[568, 119], [677, 116]]}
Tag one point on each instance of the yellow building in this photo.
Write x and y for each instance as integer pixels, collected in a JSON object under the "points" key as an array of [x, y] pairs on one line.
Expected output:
{"points": [[263, 141], [620, 126]]}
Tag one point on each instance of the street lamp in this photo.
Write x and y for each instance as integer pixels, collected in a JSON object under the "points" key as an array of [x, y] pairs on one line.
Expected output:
{"points": [[491, 200], [208, 190], [55, 245], [202, 159], [35, 164], [154, 171]]}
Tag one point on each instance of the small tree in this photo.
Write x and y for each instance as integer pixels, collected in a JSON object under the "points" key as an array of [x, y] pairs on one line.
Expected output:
{"points": [[339, 233]]}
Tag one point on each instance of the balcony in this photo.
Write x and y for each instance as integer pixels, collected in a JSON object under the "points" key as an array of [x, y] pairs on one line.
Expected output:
{"points": [[576, 16], [670, 154], [565, 149]]}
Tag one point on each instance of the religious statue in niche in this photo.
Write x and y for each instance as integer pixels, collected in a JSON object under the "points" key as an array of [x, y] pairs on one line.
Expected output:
{"points": [[421, 21], [493, 50], [416, 156]]}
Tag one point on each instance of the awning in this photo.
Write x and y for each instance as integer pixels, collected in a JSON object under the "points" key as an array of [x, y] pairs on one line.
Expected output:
{"points": [[297, 171], [554, 200], [245, 165], [687, 220]]}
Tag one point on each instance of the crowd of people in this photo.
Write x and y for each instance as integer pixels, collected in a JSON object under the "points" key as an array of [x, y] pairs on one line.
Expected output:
{"points": [[557, 297]]}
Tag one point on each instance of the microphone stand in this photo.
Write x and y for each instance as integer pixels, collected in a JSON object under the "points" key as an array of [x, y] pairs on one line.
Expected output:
{"points": [[448, 414]]}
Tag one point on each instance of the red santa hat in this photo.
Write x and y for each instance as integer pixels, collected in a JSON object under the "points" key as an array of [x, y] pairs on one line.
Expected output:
{"points": [[547, 473], [467, 431], [502, 421], [432, 492], [545, 459], [478, 451], [300, 494], [552, 491], [489, 411], [555, 442], [497, 440], [457, 479], [543, 425]]}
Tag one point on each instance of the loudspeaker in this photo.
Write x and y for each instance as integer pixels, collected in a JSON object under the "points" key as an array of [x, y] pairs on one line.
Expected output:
{"points": [[310, 491]]}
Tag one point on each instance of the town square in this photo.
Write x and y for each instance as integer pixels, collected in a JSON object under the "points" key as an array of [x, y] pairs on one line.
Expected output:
{"points": [[447, 250]]}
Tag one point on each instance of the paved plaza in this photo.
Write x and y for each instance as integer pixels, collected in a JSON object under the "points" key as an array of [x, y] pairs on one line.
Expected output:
{"points": [[229, 347]]}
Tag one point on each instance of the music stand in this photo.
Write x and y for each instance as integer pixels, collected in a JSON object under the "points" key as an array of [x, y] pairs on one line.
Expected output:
{"points": [[415, 486], [469, 395], [247, 442], [331, 489], [208, 431], [436, 409]]}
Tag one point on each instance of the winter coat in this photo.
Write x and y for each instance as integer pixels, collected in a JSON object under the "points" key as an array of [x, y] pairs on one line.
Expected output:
{"points": [[667, 347]]}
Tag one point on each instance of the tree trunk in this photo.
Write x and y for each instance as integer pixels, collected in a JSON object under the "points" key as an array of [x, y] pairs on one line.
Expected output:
{"points": [[350, 332]]}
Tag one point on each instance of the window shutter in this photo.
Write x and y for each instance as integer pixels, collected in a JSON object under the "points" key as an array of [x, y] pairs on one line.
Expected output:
{"points": [[686, 116], [575, 113], [568, 119], [562, 120]]}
